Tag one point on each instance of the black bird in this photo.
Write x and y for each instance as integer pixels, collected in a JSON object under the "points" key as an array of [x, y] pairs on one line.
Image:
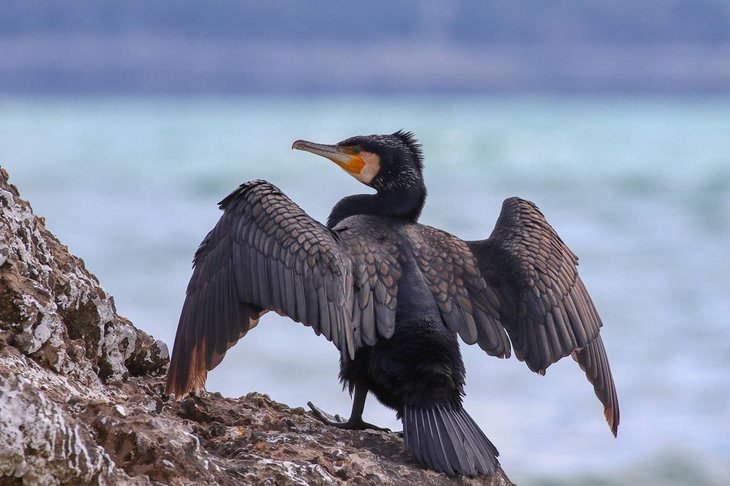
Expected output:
{"points": [[392, 295]]}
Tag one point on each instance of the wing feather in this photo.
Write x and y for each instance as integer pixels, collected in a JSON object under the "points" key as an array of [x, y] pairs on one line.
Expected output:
{"points": [[594, 362], [467, 305], [374, 250], [545, 306], [265, 253]]}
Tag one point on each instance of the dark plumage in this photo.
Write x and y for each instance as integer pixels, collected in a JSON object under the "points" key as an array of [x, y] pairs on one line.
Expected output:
{"points": [[392, 295]]}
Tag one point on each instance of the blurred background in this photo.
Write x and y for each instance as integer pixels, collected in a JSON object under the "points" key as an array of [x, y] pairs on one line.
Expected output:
{"points": [[124, 123]]}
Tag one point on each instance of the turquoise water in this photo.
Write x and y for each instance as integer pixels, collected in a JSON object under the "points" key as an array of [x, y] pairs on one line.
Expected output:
{"points": [[638, 188]]}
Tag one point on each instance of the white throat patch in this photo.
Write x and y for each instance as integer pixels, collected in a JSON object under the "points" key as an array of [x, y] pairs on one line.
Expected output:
{"points": [[371, 169]]}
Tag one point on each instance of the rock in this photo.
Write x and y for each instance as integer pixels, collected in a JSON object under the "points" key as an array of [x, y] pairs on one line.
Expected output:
{"points": [[82, 395]]}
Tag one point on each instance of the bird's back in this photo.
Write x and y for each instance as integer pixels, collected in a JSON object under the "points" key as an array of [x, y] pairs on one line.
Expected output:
{"points": [[390, 237], [422, 347]]}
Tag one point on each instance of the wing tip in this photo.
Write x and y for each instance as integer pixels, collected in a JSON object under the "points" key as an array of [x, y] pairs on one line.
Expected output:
{"points": [[593, 361], [179, 389], [612, 418], [187, 371]]}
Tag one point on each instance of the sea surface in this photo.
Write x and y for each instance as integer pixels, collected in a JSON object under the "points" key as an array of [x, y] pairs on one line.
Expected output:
{"points": [[639, 188]]}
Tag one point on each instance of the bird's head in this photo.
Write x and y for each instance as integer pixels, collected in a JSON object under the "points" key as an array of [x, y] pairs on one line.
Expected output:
{"points": [[384, 162]]}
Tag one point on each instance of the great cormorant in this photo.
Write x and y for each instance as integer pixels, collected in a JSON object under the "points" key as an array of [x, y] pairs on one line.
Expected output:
{"points": [[392, 295]]}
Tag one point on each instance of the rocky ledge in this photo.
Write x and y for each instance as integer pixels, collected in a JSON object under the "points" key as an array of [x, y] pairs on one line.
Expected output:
{"points": [[82, 396]]}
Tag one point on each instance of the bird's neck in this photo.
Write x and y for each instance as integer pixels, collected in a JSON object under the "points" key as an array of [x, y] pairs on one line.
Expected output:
{"points": [[405, 205]]}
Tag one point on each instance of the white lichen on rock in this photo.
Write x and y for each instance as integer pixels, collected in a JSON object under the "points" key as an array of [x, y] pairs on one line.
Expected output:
{"points": [[61, 449], [53, 299], [52, 314]]}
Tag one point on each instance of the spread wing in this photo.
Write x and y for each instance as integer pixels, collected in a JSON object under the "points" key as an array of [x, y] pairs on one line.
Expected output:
{"points": [[468, 306], [265, 253], [545, 307]]}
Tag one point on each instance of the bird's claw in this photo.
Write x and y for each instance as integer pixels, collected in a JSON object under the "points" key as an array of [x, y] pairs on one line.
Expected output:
{"points": [[325, 417], [339, 422]]}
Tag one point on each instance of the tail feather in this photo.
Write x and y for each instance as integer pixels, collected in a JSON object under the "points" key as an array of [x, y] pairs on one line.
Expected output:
{"points": [[480, 443], [465, 461], [447, 439], [432, 437]]}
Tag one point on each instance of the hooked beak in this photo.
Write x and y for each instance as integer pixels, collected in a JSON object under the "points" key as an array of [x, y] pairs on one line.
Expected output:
{"points": [[342, 156]]}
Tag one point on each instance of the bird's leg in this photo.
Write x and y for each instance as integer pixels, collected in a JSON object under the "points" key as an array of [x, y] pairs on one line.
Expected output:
{"points": [[355, 422]]}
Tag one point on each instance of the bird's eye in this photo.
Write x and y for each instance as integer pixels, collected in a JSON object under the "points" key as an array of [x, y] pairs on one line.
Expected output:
{"points": [[356, 150]]}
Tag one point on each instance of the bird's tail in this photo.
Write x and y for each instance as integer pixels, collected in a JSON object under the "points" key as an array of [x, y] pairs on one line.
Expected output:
{"points": [[445, 438]]}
